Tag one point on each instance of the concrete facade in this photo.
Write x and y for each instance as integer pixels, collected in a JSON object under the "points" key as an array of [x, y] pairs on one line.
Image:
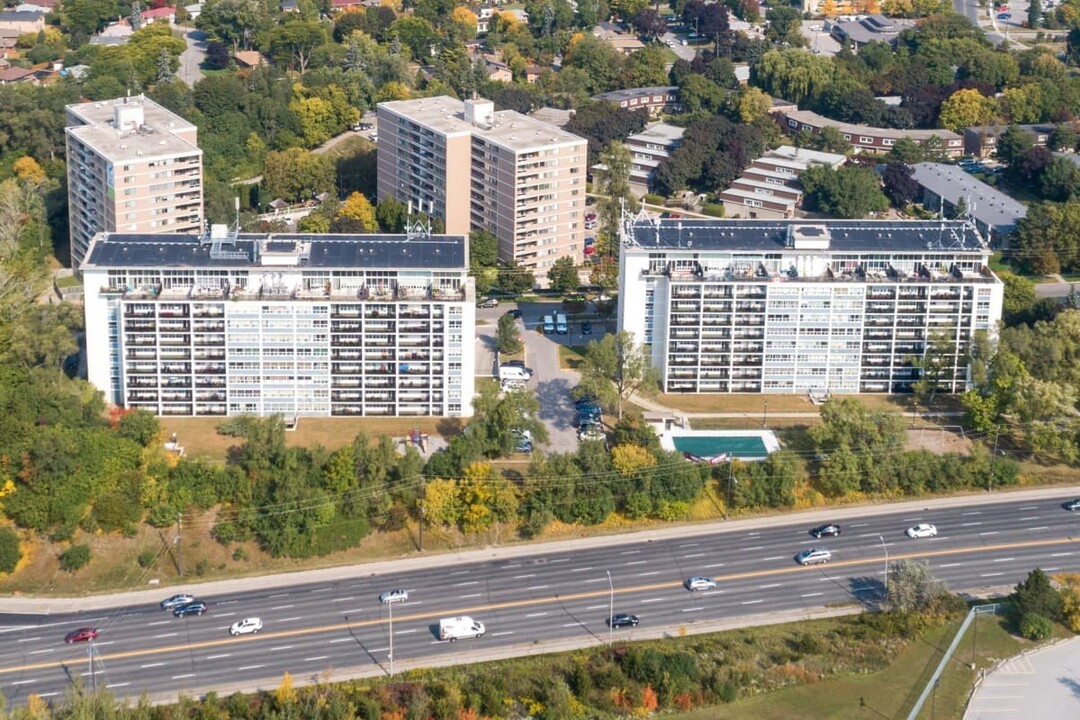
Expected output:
{"points": [[804, 306], [515, 176], [301, 325], [133, 166]]}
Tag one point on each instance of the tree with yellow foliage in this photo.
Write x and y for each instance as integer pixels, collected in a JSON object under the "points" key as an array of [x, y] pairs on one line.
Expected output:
{"points": [[828, 8], [485, 497], [356, 215], [441, 504], [285, 693], [393, 90], [27, 169], [1069, 586], [630, 460], [462, 24]]}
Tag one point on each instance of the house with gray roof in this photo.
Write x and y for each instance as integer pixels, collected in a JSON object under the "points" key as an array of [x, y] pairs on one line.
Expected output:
{"points": [[993, 212]]}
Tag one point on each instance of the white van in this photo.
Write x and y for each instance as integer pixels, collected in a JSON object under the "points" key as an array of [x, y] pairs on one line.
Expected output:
{"points": [[462, 626], [514, 372], [560, 324], [549, 325]]}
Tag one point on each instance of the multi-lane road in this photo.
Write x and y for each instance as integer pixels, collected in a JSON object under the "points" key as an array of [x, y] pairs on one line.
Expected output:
{"points": [[530, 600]]}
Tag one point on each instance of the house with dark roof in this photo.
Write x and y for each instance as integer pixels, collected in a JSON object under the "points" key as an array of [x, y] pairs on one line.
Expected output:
{"points": [[23, 22], [868, 29], [981, 140], [864, 138], [658, 99]]}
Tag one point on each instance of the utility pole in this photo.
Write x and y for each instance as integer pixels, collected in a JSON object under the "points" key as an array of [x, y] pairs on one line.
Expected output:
{"points": [[423, 512], [179, 561], [93, 677], [391, 606], [730, 481], [611, 606], [993, 460], [765, 415], [886, 549]]}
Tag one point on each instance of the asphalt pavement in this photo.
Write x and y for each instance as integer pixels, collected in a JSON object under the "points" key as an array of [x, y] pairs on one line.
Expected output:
{"points": [[191, 59], [1043, 684], [532, 598]]}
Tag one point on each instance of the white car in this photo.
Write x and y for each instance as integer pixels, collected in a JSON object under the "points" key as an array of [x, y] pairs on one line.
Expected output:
{"points": [[246, 626], [922, 530], [700, 583], [393, 596]]}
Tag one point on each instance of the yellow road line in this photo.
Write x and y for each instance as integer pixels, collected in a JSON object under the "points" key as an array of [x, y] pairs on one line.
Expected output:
{"points": [[531, 602]]}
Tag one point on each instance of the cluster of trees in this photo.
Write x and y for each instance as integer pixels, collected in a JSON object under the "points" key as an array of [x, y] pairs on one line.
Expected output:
{"points": [[714, 151], [1039, 601], [1037, 169], [944, 69], [850, 191]]}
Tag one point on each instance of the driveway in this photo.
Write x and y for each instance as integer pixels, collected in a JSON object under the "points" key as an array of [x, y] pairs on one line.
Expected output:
{"points": [[673, 41], [818, 39], [192, 58], [1044, 684]]}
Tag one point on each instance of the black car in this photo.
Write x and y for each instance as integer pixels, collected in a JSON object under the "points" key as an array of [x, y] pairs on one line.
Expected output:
{"points": [[195, 608], [1072, 505], [586, 328], [516, 314], [830, 530], [619, 620]]}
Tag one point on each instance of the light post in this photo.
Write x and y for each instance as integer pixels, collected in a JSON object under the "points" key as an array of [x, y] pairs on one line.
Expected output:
{"points": [[611, 606], [765, 415], [886, 549], [993, 460], [391, 606]]}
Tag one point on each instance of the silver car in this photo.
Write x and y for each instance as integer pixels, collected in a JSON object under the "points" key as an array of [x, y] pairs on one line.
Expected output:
{"points": [[813, 556], [393, 596]]}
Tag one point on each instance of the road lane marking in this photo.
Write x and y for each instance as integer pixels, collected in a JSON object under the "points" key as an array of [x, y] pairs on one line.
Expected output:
{"points": [[353, 611], [534, 602], [859, 524], [335, 641], [115, 685], [250, 667], [229, 614], [41, 652], [227, 602], [282, 607], [580, 569], [652, 600], [467, 583], [409, 631], [646, 574], [164, 635], [973, 512], [472, 595], [24, 682], [159, 622], [461, 572], [218, 657], [715, 565], [771, 585], [282, 647], [1064, 554], [694, 555], [504, 632], [317, 657], [638, 562], [1041, 527], [152, 665], [1028, 507], [522, 577], [752, 602], [22, 640], [1033, 517], [535, 615], [271, 597], [508, 567], [345, 599], [774, 557], [595, 580], [970, 524], [291, 619], [182, 677], [756, 547], [949, 565], [630, 552], [992, 532], [1003, 559], [537, 587], [326, 589], [573, 624], [597, 607], [558, 560], [817, 594], [695, 609], [991, 574], [686, 545]]}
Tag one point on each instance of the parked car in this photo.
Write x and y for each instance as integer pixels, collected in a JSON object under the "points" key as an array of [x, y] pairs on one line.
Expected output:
{"points": [[247, 626], [1003, 16], [829, 530], [515, 313], [81, 635], [586, 328], [591, 432], [489, 303], [922, 530], [700, 583], [176, 601], [193, 608], [525, 441], [1072, 505], [621, 620], [590, 216], [591, 224], [393, 596], [813, 556]]}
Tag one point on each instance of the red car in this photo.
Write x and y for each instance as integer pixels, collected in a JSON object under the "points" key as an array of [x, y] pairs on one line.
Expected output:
{"points": [[81, 635]]}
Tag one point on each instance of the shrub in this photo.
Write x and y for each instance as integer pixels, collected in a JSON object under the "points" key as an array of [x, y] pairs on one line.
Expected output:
{"points": [[1035, 627], [1036, 595], [713, 210], [10, 553], [74, 558], [239, 554], [147, 558], [201, 567], [652, 199]]}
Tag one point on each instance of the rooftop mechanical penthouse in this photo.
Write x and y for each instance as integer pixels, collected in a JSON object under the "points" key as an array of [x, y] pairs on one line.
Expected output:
{"points": [[799, 306], [301, 325]]}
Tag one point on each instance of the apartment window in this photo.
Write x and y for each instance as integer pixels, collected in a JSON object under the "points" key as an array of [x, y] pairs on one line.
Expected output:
{"points": [[888, 142], [866, 140]]}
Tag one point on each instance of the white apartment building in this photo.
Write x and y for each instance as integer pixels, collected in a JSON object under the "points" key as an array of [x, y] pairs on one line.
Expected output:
{"points": [[648, 149], [133, 166], [515, 176], [301, 325], [793, 306]]}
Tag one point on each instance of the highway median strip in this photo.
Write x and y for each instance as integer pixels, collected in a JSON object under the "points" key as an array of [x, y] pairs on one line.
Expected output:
{"points": [[510, 604]]}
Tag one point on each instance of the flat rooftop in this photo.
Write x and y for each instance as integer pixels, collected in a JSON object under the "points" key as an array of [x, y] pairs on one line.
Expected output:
{"points": [[511, 129], [661, 133], [838, 236], [282, 251], [617, 96], [984, 203], [819, 121], [155, 136]]}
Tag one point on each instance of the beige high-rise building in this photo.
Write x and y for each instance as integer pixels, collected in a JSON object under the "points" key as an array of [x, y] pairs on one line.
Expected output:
{"points": [[133, 167], [517, 177]]}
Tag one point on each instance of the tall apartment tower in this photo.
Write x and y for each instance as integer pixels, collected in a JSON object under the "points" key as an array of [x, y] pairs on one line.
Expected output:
{"points": [[133, 167], [517, 177]]}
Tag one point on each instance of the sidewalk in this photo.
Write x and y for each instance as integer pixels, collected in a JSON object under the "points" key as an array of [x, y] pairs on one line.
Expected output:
{"points": [[653, 406], [1043, 684], [48, 605]]}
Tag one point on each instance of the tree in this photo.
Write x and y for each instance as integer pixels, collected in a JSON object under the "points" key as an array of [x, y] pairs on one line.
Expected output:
{"points": [[845, 422], [650, 22], [851, 191], [1063, 137], [900, 185], [1036, 594], [600, 61], [905, 151], [615, 368], [390, 212], [1034, 14], [515, 279], [296, 174], [506, 336], [912, 587], [483, 249], [1059, 179], [965, 108], [356, 215], [140, 426], [1012, 143], [1047, 239], [1069, 586], [75, 558], [795, 75], [615, 187], [1019, 296], [10, 551], [785, 25], [563, 276]]}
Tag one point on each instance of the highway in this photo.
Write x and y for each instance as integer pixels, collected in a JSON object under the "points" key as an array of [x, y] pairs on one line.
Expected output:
{"points": [[528, 600]]}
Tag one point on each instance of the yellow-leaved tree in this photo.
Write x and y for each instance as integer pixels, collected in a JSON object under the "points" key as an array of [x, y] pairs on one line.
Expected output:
{"points": [[441, 505], [356, 215], [1069, 586], [630, 460]]}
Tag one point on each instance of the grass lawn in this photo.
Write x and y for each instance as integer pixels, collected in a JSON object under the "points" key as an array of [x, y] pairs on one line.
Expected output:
{"points": [[570, 358], [755, 403], [350, 146], [200, 439], [892, 692]]}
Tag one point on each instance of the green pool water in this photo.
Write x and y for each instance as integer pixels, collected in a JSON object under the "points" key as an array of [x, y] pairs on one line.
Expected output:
{"points": [[716, 445]]}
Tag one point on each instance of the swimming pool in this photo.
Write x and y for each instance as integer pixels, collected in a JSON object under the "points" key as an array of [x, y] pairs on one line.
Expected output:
{"points": [[718, 445]]}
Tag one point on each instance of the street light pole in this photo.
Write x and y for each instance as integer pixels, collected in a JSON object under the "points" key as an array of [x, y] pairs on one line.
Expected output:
{"points": [[611, 606], [886, 549], [391, 606], [765, 415], [993, 460]]}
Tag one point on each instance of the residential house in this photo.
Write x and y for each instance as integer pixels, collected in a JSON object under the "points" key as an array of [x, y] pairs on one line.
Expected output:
{"points": [[613, 35], [165, 14], [866, 139], [249, 59], [648, 149], [981, 141], [769, 189], [12, 75], [664, 98], [946, 187], [498, 71], [23, 22], [533, 73]]}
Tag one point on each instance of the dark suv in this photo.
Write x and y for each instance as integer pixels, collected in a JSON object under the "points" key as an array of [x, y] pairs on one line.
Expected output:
{"points": [[829, 530], [620, 620], [195, 608]]}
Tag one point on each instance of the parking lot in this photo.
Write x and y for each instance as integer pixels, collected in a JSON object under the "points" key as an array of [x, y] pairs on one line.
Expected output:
{"points": [[551, 384]]}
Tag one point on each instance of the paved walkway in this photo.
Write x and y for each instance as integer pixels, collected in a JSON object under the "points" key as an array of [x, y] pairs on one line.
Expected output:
{"points": [[655, 407], [1043, 684]]}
